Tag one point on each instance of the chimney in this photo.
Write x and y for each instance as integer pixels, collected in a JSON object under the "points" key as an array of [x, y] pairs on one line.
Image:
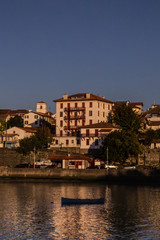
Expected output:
{"points": [[88, 95], [65, 96]]}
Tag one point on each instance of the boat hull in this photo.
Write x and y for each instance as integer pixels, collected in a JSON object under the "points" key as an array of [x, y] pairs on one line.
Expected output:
{"points": [[69, 201]]}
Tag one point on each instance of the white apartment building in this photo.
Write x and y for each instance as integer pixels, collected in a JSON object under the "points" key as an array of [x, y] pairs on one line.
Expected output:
{"points": [[75, 111]]}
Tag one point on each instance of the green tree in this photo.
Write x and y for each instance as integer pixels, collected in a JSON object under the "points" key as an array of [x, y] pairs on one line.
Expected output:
{"points": [[16, 121], [38, 141], [2, 125], [124, 143], [44, 136], [125, 117]]}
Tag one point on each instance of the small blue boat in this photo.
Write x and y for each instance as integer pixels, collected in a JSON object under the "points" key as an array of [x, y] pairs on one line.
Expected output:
{"points": [[69, 201]]}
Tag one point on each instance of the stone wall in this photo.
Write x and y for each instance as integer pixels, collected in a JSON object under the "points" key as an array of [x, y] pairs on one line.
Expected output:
{"points": [[138, 176]]}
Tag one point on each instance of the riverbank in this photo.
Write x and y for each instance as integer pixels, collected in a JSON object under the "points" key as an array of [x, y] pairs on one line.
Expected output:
{"points": [[140, 176]]}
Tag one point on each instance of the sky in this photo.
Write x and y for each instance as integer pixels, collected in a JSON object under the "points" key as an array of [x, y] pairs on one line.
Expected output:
{"points": [[109, 48]]}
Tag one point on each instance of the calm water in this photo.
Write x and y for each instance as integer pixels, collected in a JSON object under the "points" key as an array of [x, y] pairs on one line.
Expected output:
{"points": [[129, 212]]}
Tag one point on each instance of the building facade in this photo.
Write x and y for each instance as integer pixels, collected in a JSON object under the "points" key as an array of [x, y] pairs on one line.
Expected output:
{"points": [[76, 111]]}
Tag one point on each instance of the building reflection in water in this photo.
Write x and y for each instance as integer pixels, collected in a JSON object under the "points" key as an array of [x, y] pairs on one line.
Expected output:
{"points": [[129, 211]]}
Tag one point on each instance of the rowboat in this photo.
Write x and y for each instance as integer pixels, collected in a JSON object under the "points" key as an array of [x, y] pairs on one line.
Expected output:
{"points": [[68, 201]]}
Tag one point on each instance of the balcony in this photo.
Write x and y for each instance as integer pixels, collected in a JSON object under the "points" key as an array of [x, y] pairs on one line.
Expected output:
{"points": [[71, 127], [74, 117], [68, 109], [99, 135]]}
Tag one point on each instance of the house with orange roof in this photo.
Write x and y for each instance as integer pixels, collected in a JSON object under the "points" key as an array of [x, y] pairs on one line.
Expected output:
{"points": [[71, 161], [136, 106], [92, 136], [15, 134], [39, 117]]}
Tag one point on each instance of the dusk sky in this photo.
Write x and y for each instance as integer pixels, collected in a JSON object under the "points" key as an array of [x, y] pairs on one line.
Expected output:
{"points": [[110, 48]]}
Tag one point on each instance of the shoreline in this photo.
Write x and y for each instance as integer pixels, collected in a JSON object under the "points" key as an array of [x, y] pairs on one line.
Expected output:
{"points": [[110, 176]]}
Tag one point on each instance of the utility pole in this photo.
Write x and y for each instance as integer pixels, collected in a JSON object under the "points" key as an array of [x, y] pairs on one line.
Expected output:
{"points": [[34, 157], [107, 155]]}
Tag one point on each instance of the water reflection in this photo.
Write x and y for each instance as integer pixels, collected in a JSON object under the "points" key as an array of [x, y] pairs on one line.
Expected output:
{"points": [[129, 212]]}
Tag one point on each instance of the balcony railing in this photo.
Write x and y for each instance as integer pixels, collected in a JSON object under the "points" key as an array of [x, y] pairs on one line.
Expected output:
{"points": [[66, 135], [71, 127], [74, 109], [93, 135], [74, 117]]}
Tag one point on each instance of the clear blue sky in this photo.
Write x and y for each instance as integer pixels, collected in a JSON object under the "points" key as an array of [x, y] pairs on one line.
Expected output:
{"points": [[107, 47]]}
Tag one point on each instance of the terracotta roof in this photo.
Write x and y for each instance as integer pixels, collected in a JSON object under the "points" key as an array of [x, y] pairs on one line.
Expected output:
{"points": [[9, 111], [154, 123], [41, 102], [155, 110], [56, 157], [31, 130], [9, 134], [82, 97], [131, 104], [156, 141], [101, 125]]}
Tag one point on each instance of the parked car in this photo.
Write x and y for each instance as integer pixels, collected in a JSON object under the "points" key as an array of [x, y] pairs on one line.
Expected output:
{"points": [[51, 166], [23, 165], [110, 166], [130, 167]]}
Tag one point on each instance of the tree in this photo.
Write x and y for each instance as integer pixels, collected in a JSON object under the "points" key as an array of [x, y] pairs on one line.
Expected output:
{"points": [[16, 121], [125, 117], [44, 136], [38, 141], [124, 143], [2, 125]]}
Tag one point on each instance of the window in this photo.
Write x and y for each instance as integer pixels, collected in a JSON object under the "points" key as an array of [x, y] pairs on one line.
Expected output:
{"points": [[41, 107], [78, 141], [87, 141], [35, 116], [87, 132], [26, 122], [61, 123], [90, 113], [108, 107], [76, 123], [61, 114], [98, 113], [83, 104], [76, 105], [90, 104], [61, 105], [56, 142], [103, 105], [96, 132], [61, 133], [103, 114], [72, 141], [90, 122], [98, 105], [67, 142]]}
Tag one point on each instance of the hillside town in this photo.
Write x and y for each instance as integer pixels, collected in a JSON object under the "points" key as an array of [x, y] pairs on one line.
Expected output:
{"points": [[79, 126]]}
